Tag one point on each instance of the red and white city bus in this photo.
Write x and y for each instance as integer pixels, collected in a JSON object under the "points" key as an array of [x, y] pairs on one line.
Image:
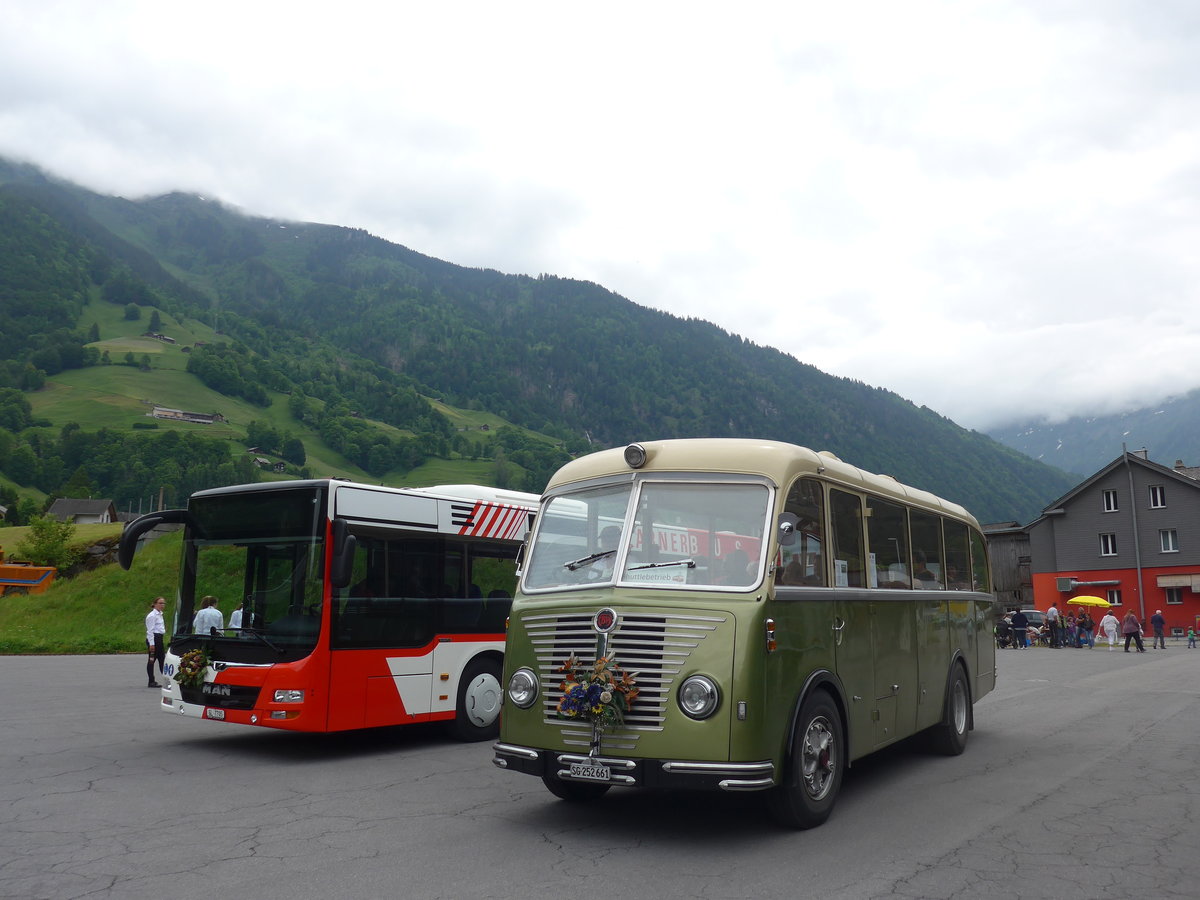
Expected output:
{"points": [[360, 606]]}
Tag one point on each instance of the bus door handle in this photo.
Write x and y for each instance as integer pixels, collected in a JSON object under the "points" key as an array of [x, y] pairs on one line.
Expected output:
{"points": [[839, 624]]}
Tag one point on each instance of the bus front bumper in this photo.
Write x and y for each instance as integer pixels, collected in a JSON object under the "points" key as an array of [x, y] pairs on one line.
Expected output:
{"points": [[648, 773]]}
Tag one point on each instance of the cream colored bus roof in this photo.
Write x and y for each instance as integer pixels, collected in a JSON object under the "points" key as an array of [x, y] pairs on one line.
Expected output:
{"points": [[775, 460]]}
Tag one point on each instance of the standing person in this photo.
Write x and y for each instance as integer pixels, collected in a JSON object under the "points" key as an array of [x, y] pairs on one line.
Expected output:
{"points": [[1020, 622], [1085, 626], [1191, 638], [1132, 629], [1052, 619], [235, 618], [155, 629], [1109, 625], [208, 618], [1159, 624]]}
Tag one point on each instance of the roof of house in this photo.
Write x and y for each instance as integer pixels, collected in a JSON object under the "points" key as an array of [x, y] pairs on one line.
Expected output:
{"points": [[65, 508], [1133, 458]]}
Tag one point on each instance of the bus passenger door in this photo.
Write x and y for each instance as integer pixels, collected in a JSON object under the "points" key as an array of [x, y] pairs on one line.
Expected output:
{"points": [[855, 664], [896, 684]]}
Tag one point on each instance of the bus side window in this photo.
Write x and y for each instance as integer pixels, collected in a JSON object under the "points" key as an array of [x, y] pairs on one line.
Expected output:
{"points": [[846, 513], [803, 563], [958, 555], [887, 536], [928, 571], [980, 577]]}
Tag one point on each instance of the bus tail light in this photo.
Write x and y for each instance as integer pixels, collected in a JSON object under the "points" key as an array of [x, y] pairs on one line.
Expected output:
{"points": [[770, 635]]}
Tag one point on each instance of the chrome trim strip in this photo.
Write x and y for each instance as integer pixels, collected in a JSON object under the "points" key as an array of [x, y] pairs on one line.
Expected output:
{"points": [[709, 768], [565, 775], [734, 784], [514, 750]]}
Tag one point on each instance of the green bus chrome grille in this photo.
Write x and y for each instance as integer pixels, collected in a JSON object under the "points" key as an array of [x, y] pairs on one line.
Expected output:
{"points": [[652, 647]]}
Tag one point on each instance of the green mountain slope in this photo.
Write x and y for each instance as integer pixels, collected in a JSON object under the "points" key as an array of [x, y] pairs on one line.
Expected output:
{"points": [[371, 330]]}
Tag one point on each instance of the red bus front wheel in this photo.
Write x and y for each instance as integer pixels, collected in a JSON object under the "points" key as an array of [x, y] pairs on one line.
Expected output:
{"points": [[477, 713]]}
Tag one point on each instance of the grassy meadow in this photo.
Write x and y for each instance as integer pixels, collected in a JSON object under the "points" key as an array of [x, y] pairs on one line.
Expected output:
{"points": [[101, 611]]}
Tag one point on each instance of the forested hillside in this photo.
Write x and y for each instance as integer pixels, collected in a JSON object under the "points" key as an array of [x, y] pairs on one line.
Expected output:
{"points": [[371, 346]]}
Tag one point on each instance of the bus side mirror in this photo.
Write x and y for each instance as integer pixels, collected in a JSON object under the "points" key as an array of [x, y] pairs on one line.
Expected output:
{"points": [[341, 567], [127, 546], [787, 529], [521, 557]]}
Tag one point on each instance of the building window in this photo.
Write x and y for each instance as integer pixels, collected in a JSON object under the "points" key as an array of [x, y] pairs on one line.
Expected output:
{"points": [[1110, 501], [1158, 496], [1174, 596], [1168, 540], [1114, 596], [1108, 544]]}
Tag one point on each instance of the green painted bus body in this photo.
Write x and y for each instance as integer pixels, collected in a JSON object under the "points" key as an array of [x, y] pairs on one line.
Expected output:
{"points": [[885, 656]]}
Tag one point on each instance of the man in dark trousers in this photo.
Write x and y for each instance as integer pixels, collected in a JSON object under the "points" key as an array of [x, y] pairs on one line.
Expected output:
{"points": [[1159, 624], [1052, 619], [1020, 622]]}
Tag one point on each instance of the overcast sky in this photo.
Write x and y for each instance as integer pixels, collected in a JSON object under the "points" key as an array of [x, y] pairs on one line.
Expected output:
{"points": [[990, 208]]}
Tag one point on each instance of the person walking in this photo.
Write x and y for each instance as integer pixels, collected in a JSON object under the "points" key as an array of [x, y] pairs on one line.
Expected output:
{"points": [[1159, 624], [1132, 629], [1191, 638], [1108, 626], [155, 630]]}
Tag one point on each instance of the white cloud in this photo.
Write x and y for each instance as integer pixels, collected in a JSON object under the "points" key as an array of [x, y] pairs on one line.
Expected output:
{"points": [[988, 207]]}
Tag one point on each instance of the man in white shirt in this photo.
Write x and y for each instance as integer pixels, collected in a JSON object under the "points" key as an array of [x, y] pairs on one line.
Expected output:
{"points": [[208, 618], [1052, 619]]}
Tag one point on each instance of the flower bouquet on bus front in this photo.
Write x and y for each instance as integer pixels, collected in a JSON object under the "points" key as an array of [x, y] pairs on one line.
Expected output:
{"points": [[193, 666], [600, 693]]}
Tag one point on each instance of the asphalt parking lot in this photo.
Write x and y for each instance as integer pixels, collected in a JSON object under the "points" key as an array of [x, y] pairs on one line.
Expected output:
{"points": [[1079, 782]]}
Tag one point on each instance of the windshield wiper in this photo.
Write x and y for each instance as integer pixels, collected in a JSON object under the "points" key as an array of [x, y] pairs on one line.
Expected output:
{"points": [[263, 638], [690, 563], [583, 561]]}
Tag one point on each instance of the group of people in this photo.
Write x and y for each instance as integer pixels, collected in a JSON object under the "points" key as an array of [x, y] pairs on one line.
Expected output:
{"points": [[208, 621], [1080, 629]]}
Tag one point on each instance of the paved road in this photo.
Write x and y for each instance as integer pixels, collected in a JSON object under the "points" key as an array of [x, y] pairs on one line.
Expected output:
{"points": [[1080, 781]]}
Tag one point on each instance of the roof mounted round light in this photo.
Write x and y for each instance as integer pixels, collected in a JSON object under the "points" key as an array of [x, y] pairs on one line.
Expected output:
{"points": [[635, 456]]}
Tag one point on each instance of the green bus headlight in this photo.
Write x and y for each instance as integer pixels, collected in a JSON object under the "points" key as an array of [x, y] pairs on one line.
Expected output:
{"points": [[523, 688], [699, 697]]}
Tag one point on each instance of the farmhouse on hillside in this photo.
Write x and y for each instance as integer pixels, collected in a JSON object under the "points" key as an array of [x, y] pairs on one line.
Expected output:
{"points": [[83, 512]]}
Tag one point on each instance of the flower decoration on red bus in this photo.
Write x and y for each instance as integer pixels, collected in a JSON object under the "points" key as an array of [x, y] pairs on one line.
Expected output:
{"points": [[192, 667], [598, 692]]}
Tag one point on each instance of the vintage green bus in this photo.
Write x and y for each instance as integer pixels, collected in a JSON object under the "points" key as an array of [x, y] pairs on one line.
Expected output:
{"points": [[739, 615]]}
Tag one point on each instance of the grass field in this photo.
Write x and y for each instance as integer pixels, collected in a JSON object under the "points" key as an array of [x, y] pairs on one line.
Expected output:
{"points": [[101, 611]]}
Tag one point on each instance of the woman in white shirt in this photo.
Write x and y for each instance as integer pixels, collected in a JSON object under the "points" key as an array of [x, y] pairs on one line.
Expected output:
{"points": [[155, 629], [1110, 625]]}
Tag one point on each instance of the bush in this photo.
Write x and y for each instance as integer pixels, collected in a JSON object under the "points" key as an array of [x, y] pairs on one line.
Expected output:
{"points": [[48, 543]]}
